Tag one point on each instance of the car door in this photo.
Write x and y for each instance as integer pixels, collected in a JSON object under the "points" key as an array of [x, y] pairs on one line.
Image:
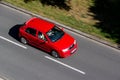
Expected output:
{"points": [[43, 43], [31, 36]]}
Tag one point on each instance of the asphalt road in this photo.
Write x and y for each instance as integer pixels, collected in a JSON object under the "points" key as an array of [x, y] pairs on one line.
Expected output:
{"points": [[92, 61]]}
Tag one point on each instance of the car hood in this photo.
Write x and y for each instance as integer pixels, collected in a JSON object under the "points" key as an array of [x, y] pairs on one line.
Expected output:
{"points": [[65, 42]]}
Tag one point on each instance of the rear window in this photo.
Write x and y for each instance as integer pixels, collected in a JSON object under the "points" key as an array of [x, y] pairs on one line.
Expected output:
{"points": [[31, 31]]}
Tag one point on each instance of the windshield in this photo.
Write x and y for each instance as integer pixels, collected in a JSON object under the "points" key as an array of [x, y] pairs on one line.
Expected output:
{"points": [[55, 34]]}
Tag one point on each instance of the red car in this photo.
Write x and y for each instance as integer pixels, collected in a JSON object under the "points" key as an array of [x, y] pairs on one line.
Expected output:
{"points": [[48, 37]]}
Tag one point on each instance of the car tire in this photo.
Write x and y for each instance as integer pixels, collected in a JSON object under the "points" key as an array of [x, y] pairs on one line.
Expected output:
{"points": [[23, 40], [55, 54]]}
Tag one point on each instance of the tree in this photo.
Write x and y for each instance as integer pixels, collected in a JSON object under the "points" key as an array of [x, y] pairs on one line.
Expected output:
{"points": [[62, 4], [107, 12]]}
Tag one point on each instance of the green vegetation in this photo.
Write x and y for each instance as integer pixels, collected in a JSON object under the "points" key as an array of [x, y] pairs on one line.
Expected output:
{"points": [[77, 15]]}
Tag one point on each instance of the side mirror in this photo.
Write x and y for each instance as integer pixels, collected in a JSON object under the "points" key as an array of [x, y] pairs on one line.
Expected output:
{"points": [[46, 41], [63, 29]]}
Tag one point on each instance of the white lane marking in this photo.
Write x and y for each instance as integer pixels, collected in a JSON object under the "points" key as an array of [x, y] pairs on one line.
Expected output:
{"points": [[13, 42], [2, 79], [65, 65]]}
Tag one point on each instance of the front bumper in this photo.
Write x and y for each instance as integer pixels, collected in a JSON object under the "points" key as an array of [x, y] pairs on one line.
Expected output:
{"points": [[69, 52]]}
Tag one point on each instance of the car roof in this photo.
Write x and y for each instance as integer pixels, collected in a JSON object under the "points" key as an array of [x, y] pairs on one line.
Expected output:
{"points": [[39, 24]]}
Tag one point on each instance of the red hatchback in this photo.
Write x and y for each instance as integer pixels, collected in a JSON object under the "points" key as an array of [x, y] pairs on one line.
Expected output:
{"points": [[48, 37]]}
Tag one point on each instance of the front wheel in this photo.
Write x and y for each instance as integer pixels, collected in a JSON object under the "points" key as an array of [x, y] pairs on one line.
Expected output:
{"points": [[23, 40], [55, 54]]}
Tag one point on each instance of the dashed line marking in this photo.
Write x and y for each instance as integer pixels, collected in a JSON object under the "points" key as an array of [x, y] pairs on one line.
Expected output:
{"points": [[45, 56], [65, 65], [3, 78], [13, 42]]}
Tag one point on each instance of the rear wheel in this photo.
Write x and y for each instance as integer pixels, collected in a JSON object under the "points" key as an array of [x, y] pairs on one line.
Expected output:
{"points": [[23, 40], [55, 54]]}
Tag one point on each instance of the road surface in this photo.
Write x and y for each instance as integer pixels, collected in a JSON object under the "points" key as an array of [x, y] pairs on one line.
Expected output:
{"points": [[92, 61]]}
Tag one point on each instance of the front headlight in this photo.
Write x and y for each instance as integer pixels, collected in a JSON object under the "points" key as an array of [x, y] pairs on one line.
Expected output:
{"points": [[75, 42], [65, 50]]}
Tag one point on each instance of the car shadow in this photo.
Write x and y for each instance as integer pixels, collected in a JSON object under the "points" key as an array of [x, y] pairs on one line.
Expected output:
{"points": [[14, 31]]}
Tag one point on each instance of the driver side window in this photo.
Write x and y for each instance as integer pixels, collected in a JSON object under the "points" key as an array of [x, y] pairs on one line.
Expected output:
{"points": [[41, 36]]}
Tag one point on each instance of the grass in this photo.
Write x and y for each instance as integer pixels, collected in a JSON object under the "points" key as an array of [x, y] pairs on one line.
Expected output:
{"points": [[77, 17]]}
